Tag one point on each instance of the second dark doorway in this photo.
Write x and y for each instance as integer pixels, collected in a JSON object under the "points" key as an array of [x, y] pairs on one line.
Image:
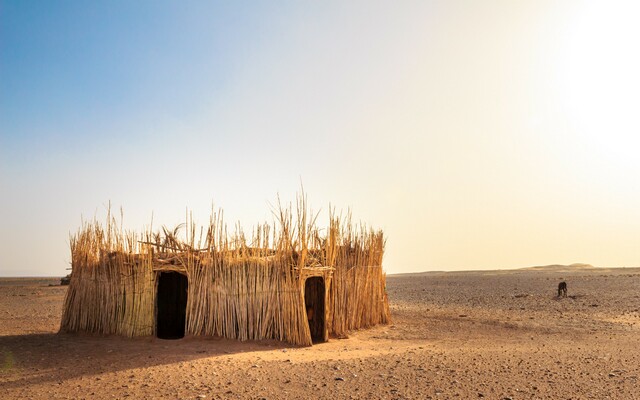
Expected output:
{"points": [[171, 301], [314, 304]]}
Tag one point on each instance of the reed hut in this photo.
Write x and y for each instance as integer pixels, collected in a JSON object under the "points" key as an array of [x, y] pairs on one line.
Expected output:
{"points": [[291, 281]]}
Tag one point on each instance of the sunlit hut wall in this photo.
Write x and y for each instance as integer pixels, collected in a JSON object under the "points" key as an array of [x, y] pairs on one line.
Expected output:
{"points": [[237, 288], [358, 294], [112, 283]]}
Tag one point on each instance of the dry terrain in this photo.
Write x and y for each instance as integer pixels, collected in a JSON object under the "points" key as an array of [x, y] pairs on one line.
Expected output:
{"points": [[466, 335]]}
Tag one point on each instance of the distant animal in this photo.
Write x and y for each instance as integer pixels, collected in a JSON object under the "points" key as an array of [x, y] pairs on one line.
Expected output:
{"points": [[562, 289]]}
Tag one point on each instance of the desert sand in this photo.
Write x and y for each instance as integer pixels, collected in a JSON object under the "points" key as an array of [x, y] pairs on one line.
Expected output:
{"points": [[455, 335]]}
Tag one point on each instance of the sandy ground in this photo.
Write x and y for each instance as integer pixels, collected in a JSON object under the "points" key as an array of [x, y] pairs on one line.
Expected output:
{"points": [[494, 335]]}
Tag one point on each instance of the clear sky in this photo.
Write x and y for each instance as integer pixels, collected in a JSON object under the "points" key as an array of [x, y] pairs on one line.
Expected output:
{"points": [[477, 134]]}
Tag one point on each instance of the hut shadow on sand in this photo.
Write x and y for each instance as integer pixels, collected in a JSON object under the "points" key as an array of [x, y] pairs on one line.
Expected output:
{"points": [[54, 358], [291, 281]]}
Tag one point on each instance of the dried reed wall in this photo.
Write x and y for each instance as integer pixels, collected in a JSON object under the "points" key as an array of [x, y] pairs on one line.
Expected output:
{"points": [[238, 289], [112, 289], [358, 293]]}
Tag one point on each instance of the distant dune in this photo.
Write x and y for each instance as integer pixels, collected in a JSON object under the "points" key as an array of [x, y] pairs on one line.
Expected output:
{"points": [[560, 268], [577, 267]]}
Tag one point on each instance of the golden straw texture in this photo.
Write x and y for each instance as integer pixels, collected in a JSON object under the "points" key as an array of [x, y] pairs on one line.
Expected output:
{"points": [[238, 288]]}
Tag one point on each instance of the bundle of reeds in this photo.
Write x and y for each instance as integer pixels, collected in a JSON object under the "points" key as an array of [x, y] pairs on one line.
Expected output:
{"points": [[238, 288], [358, 294], [112, 283]]}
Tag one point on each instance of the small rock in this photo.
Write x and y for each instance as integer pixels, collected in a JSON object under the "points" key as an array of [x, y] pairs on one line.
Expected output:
{"points": [[340, 378]]}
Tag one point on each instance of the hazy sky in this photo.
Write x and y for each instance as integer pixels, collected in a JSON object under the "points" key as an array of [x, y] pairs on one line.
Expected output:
{"points": [[477, 134]]}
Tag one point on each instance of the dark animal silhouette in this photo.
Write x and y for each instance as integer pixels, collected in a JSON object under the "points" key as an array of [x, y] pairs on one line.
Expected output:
{"points": [[562, 289]]}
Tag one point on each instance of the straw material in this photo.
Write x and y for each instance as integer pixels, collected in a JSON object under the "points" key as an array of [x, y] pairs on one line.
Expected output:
{"points": [[237, 289]]}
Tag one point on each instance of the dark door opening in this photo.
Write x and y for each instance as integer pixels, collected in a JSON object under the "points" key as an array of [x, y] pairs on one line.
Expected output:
{"points": [[171, 302], [314, 303]]}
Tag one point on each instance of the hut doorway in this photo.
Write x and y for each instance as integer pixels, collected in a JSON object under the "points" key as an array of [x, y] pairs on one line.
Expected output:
{"points": [[314, 294], [171, 305]]}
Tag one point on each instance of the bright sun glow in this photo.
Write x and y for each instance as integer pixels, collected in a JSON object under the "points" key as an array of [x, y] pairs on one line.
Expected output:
{"points": [[600, 81]]}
